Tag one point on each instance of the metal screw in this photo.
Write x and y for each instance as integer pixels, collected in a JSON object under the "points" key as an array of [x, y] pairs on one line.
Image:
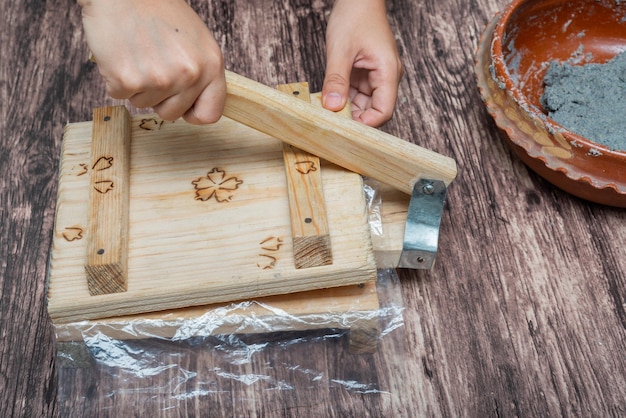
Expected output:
{"points": [[420, 260], [428, 188]]}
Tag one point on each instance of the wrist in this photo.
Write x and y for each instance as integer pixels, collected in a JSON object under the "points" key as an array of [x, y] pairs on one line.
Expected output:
{"points": [[349, 12], [368, 5]]}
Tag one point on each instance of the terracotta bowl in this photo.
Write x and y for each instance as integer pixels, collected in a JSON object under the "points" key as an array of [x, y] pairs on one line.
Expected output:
{"points": [[511, 62]]}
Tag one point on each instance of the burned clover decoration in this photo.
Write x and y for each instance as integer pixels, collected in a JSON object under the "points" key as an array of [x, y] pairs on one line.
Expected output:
{"points": [[216, 184], [269, 245]]}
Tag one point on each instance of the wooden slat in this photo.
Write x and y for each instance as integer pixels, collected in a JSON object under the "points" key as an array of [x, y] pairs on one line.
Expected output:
{"points": [[347, 143], [307, 210], [107, 235]]}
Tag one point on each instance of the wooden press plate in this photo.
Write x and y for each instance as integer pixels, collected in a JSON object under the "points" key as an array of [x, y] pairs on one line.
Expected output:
{"points": [[353, 307], [188, 247]]}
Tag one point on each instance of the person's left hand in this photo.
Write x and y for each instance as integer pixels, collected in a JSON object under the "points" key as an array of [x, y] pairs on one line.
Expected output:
{"points": [[363, 63]]}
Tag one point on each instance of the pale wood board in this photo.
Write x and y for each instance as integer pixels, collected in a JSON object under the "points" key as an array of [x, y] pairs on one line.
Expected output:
{"points": [[353, 307], [339, 307], [186, 252]]}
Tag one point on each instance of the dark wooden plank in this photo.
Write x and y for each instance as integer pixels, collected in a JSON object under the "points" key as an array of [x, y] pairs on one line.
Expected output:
{"points": [[511, 325], [515, 316], [523, 314], [41, 79]]}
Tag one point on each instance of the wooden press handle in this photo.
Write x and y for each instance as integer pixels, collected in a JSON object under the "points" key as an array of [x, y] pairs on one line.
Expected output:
{"points": [[347, 143]]}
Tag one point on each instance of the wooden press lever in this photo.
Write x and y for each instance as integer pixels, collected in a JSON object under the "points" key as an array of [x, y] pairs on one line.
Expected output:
{"points": [[347, 143]]}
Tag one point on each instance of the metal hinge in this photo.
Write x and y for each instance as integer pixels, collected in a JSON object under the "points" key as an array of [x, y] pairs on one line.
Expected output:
{"points": [[421, 233]]}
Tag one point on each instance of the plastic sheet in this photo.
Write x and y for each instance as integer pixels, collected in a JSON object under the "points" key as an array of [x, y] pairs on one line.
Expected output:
{"points": [[322, 339]]}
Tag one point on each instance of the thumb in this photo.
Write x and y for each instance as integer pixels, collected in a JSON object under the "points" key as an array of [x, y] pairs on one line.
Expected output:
{"points": [[336, 83]]}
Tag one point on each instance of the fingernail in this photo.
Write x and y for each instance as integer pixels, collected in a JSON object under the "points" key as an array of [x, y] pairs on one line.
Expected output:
{"points": [[333, 100]]}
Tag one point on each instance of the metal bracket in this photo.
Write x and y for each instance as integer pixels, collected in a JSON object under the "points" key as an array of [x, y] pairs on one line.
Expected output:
{"points": [[421, 233]]}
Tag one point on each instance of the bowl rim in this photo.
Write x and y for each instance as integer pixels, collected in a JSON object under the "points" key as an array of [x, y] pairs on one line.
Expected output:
{"points": [[497, 55]]}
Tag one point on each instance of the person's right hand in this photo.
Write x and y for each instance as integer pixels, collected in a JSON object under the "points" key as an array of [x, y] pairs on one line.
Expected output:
{"points": [[363, 62], [157, 54]]}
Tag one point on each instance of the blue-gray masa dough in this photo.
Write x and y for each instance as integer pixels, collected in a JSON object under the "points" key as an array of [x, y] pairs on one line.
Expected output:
{"points": [[589, 99]]}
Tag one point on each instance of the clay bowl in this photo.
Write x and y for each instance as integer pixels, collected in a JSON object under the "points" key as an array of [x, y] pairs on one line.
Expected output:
{"points": [[511, 62]]}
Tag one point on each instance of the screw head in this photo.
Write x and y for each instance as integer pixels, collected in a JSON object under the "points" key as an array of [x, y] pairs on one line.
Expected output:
{"points": [[428, 188]]}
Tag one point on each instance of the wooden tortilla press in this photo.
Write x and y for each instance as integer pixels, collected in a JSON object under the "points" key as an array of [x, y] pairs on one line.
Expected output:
{"points": [[421, 173], [203, 215]]}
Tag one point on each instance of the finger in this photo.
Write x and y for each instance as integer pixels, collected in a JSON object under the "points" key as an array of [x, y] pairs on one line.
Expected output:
{"points": [[140, 93], [209, 105], [168, 93], [125, 80], [336, 81], [149, 98], [174, 107], [370, 117], [377, 109], [117, 89]]}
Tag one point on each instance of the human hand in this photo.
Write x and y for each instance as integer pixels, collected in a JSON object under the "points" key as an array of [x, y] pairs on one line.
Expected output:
{"points": [[158, 54], [362, 61]]}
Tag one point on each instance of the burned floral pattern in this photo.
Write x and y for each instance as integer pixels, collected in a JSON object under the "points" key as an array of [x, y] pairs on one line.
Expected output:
{"points": [[216, 184]]}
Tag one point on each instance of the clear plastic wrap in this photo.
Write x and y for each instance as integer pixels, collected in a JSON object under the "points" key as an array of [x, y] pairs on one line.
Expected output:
{"points": [[319, 340]]}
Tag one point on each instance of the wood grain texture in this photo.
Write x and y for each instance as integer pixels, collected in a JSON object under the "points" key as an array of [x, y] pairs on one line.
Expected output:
{"points": [[208, 222], [523, 314], [347, 143], [307, 210], [344, 307], [109, 189]]}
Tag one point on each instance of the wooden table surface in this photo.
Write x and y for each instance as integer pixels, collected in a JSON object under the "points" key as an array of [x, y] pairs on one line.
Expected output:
{"points": [[524, 313]]}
